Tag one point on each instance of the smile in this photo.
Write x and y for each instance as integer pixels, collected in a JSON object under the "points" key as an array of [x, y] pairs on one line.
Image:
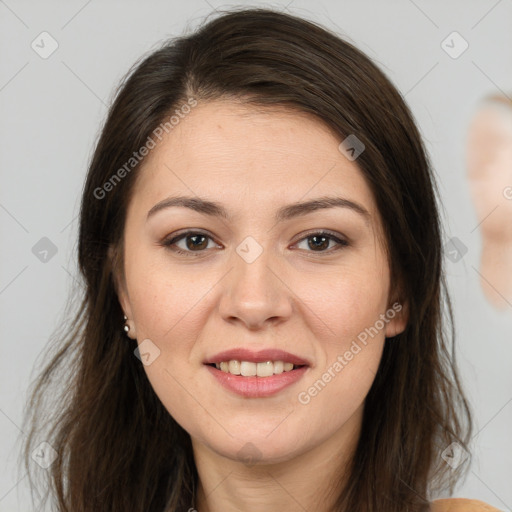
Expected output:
{"points": [[250, 369], [254, 386]]}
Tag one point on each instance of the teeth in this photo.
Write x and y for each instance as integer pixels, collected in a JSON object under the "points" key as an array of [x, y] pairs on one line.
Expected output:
{"points": [[234, 367], [249, 369]]}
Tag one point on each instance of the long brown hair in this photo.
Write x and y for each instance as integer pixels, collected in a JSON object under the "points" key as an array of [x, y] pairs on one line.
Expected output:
{"points": [[118, 449]]}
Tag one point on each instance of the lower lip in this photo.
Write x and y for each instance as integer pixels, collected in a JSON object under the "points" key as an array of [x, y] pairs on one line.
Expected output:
{"points": [[257, 387]]}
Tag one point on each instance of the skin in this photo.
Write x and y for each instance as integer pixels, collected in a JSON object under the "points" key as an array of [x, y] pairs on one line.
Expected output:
{"points": [[461, 505], [489, 164], [308, 301]]}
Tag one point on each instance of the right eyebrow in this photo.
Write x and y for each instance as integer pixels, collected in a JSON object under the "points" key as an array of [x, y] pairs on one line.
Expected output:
{"points": [[214, 209]]}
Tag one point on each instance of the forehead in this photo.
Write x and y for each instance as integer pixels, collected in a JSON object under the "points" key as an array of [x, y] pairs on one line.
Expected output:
{"points": [[233, 128], [230, 151]]}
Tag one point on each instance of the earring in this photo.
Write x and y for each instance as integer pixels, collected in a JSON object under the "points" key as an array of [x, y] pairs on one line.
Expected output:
{"points": [[126, 327]]}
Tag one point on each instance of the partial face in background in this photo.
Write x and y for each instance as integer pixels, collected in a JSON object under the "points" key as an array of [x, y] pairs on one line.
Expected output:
{"points": [[489, 161], [261, 276]]}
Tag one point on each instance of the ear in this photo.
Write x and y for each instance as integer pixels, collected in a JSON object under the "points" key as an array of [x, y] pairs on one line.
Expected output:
{"points": [[120, 286], [398, 313]]}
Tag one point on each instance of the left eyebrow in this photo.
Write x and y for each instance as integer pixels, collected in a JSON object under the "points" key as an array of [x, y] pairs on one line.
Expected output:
{"points": [[287, 212]]}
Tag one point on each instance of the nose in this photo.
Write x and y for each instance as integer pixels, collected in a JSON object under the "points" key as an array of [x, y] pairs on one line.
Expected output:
{"points": [[256, 293]]}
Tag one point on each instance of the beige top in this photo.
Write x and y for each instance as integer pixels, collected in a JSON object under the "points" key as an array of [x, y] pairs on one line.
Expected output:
{"points": [[461, 505]]}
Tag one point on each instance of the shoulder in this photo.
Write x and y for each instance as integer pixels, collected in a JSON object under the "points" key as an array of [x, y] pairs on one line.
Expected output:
{"points": [[461, 505]]}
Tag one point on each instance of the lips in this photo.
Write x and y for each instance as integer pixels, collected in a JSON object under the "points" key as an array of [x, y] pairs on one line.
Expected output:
{"points": [[260, 356], [257, 387]]}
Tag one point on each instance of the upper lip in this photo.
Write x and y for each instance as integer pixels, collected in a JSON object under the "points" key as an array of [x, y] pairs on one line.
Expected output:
{"points": [[259, 356]]}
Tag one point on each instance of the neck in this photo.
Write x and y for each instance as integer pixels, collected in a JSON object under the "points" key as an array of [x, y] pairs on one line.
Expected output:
{"points": [[308, 481]]}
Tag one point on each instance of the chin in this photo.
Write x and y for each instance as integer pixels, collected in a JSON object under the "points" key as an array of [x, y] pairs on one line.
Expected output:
{"points": [[260, 450]]}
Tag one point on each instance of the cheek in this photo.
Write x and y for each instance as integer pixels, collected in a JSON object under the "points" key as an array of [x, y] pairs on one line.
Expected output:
{"points": [[167, 310], [335, 305], [348, 300], [331, 398], [355, 312], [161, 295], [174, 307], [354, 307]]}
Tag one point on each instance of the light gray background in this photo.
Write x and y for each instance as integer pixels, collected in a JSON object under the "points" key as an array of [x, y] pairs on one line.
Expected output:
{"points": [[51, 111]]}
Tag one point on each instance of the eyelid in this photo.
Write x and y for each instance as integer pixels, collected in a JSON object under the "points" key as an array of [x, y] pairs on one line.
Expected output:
{"points": [[320, 231], [179, 235], [340, 239]]}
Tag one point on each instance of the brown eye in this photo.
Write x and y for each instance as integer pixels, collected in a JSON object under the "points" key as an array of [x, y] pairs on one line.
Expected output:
{"points": [[319, 242], [196, 242], [193, 242]]}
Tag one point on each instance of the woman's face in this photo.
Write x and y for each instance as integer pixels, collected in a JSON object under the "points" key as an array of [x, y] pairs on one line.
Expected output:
{"points": [[260, 277]]}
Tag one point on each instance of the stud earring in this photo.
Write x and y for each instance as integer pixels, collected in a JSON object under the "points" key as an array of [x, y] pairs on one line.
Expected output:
{"points": [[126, 327]]}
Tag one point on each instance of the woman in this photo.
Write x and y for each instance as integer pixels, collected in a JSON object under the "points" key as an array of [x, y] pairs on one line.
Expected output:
{"points": [[262, 323]]}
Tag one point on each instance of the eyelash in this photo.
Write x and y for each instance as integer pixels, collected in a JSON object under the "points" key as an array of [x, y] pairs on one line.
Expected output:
{"points": [[169, 242]]}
